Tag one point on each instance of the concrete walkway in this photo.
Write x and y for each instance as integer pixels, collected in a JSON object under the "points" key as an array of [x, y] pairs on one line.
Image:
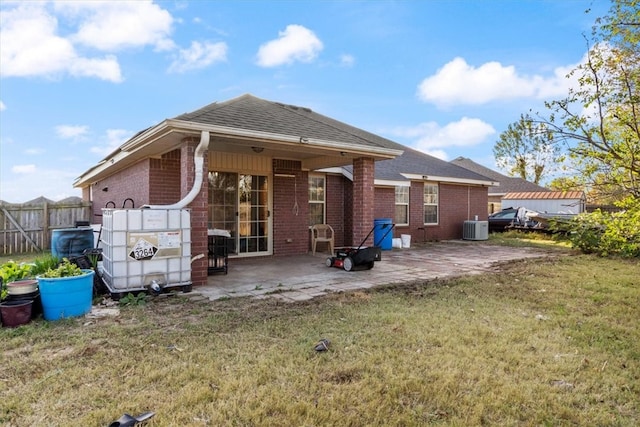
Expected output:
{"points": [[306, 276]]}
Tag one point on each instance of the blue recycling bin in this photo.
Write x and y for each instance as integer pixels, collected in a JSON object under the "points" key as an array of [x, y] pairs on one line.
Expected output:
{"points": [[382, 233]]}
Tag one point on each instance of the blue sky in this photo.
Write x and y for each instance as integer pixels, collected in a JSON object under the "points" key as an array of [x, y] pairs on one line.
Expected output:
{"points": [[78, 78]]}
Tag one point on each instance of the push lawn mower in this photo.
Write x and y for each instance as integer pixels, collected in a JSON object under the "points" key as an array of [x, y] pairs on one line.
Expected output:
{"points": [[360, 258]]}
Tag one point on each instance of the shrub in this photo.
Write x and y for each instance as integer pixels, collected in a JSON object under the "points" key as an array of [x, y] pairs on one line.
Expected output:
{"points": [[65, 269], [608, 233]]}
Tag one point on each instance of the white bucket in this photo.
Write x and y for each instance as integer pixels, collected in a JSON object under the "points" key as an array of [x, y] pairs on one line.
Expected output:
{"points": [[396, 243], [406, 240]]}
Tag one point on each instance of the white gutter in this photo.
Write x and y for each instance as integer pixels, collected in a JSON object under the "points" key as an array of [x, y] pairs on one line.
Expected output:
{"points": [[391, 183], [168, 126], [198, 159], [418, 177]]}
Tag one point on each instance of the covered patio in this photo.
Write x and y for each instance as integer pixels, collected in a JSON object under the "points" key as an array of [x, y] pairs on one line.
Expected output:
{"points": [[303, 277]]}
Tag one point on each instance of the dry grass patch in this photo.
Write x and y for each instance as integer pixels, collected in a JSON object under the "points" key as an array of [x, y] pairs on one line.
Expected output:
{"points": [[552, 342]]}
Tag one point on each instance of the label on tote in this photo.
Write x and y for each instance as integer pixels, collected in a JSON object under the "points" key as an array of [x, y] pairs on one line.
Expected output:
{"points": [[143, 250]]}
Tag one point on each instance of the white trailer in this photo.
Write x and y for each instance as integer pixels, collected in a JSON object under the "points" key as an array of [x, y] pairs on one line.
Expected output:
{"points": [[551, 202]]}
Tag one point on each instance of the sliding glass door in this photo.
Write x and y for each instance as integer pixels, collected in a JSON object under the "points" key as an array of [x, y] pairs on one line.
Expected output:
{"points": [[239, 203]]}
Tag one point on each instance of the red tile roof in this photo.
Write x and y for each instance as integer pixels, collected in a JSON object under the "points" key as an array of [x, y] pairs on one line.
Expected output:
{"points": [[542, 195]]}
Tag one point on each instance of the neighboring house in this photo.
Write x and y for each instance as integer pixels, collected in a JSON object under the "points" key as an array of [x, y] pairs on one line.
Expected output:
{"points": [[561, 202], [271, 170], [507, 184]]}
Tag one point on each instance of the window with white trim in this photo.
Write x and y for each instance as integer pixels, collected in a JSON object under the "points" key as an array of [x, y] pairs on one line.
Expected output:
{"points": [[430, 203], [402, 205], [316, 199]]}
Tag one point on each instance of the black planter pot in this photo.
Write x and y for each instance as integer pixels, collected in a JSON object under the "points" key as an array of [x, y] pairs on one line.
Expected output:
{"points": [[36, 309]]}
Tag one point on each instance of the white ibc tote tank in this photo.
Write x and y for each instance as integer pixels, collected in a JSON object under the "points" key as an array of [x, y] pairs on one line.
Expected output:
{"points": [[146, 247]]}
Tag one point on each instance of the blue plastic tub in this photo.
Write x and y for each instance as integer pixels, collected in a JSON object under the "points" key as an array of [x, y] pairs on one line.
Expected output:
{"points": [[382, 234], [71, 242], [66, 296]]}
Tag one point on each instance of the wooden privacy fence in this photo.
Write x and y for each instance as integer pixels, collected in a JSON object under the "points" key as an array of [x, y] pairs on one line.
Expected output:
{"points": [[27, 227]]}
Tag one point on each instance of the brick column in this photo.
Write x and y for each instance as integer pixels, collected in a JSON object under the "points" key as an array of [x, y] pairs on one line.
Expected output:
{"points": [[363, 199], [199, 206]]}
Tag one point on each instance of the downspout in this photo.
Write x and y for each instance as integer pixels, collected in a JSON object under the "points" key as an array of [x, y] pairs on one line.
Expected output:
{"points": [[198, 159]]}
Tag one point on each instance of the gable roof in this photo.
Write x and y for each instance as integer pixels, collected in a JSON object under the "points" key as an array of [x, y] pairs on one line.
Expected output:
{"points": [[414, 164], [245, 123], [248, 112], [506, 183]]}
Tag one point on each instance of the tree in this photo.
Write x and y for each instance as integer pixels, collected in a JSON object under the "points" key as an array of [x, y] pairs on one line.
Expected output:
{"points": [[599, 121], [566, 183], [526, 149]]}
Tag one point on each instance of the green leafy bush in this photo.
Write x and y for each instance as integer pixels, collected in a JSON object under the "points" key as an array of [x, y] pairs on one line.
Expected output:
{"points": [[11, 271], [65, 269], [608, 233]]}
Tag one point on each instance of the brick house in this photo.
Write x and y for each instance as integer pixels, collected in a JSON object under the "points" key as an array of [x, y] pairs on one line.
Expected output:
{"points": [[271, 170]]}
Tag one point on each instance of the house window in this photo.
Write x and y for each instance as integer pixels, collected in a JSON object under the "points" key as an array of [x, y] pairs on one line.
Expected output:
{"points": [[430, 203], [316, 199], [402, 205]]}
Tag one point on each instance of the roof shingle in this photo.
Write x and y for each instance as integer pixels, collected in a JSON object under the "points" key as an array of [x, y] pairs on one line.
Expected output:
{"points": [[248, 112]]}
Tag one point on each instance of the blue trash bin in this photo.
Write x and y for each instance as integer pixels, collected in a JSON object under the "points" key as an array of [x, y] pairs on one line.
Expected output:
{"points": [[382, 234]]}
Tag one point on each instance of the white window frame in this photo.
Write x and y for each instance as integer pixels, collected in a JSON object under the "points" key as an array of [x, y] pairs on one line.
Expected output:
{"points": [[431, 199], [402, 203], [324, 197]]}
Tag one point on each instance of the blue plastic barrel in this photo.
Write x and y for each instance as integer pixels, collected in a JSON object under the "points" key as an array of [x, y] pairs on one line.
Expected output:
{"points": [[71, 242], [382, 233]]}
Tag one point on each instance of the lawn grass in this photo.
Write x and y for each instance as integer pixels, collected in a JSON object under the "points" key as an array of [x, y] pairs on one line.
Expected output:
{"points": [[553, 342]]}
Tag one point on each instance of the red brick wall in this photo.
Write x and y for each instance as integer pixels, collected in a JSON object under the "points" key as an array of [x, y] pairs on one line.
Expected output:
{"points": [[199, 206], [131, 183], [165, 179], [335, 206], [386, 204], [150, 181], [457, 203], [348, 212], [287, 224], [363, 199]]}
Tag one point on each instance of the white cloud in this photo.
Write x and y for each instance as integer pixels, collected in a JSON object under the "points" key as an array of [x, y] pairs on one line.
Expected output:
{"points": [[27, 183], [111, 141], [33, 151], [347, 60], [295, 43], [432, 138], [199, 55], [71, 132], [440, 154], [106, 69], [458, 83], [30, 46], [116, 25], [2, 106], [23, 169]]}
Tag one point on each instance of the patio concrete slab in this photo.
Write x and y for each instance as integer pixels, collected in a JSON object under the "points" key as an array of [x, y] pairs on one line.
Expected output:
{"points": [[306, 276]]}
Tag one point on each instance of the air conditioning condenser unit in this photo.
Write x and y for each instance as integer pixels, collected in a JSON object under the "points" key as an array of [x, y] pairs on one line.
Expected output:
{"points": [[475, 230]]}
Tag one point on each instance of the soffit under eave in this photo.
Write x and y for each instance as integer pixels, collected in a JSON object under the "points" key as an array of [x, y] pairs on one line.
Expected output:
{"points": [[168, 136]]}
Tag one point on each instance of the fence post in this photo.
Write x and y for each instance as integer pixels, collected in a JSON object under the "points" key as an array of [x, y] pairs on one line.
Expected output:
{"points": [[45, 226]]}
